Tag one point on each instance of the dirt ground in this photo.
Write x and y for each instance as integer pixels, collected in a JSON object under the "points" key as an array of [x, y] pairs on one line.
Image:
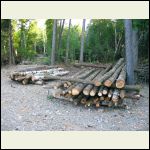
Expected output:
{"points": [[26, 108]]}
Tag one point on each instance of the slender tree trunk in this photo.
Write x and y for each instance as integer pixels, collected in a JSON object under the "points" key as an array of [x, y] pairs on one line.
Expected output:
{"points": [[60, 34], [68, 42], [128, 49], [115, 39], [82, 41], [11, 54], [135, 47], [43, 42], [53, 43], [35, 46]]}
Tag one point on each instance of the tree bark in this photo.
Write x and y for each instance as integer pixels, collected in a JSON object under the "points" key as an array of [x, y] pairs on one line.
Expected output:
{"points": [[135, 47], [84, 99], [94, 91], [115, 97], [112, 79], [105, 91], [11, 53], [100, 92], [109, 73], [77, 100], [101, 74], [90, 65], [127, 87], [82, 42], [68, 42], [53, 43], [87, 89], [60, 34], [120, 82], [129, 52], [77, 90], [110, 93]]}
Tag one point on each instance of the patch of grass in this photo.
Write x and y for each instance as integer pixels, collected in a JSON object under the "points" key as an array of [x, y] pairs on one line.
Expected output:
{"points": [[49, 97]]}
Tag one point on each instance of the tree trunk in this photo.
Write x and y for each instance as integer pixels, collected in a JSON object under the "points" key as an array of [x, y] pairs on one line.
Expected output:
{"points": [[53, 43], [82, 42], [44, 40], [135, 47], [68, 42], [128, 49], [11, 52], [60, 34]]}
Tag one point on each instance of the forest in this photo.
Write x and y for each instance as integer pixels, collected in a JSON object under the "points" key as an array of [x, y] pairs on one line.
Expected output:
{"points": [[103, 40]]}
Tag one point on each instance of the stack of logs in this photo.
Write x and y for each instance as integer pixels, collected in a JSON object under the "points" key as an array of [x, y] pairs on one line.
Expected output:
{"points": [[95, 86], [36, 75]]}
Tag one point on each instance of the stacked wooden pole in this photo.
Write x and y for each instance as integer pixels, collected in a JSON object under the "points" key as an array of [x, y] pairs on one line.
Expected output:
{"points": [[90, 86], [106, 87], [36, 75]]}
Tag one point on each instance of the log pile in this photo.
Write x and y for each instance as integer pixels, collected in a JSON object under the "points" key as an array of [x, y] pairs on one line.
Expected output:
{"points": [[36, 75], [99, 87]]}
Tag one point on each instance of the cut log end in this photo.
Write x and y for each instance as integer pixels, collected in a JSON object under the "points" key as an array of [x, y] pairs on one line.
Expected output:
{"points": [[75, 91], [99, 94], [97, 83], [108, 83], [120, 84]]}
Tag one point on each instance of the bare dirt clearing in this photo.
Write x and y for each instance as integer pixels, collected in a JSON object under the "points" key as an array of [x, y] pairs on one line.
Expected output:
{"points": [[26, 107]]}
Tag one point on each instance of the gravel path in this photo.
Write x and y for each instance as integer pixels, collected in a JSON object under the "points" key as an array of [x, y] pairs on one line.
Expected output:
{"points": [[26, 107]]}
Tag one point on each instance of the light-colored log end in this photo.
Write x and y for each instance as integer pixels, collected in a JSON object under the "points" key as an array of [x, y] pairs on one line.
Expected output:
{"points": [[120, 84]]}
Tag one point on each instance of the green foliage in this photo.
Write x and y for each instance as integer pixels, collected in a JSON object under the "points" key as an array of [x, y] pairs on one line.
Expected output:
{"points": [[142, 25], [100, 43], [104, 40], [4, 40], [49, 32]]}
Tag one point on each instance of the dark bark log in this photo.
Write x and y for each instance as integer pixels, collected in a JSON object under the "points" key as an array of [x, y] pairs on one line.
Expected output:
{"points": [[77, 100], [100, 92], [105, 91], [84, 99]]}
